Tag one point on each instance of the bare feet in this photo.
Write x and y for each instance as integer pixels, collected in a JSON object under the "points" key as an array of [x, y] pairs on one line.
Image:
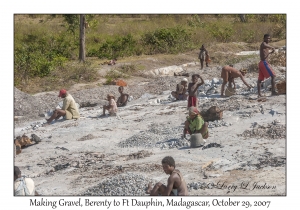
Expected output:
{"points": [[148, 191]]}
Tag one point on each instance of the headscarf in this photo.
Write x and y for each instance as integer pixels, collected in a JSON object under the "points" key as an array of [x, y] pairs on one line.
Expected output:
{"points": [[193, 111]]}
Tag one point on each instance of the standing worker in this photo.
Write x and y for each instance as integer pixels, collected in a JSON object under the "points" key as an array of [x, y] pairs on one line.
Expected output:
{"points": [[264, 68], [203, 55]]}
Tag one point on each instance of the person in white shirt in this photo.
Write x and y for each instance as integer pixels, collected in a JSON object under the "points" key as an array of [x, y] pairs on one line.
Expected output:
{"points": [[23, 185]]}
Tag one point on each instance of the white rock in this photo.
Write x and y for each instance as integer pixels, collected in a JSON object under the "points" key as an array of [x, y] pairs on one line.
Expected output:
{"points": [[214, 81], [130, 98], [207, 82]]}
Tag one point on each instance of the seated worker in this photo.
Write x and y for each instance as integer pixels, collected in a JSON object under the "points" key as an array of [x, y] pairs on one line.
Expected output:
{"points": [[195, 124], [69, 109], [229, 74], [181, 90], [192, 90], [123, 99], [111, 107], [22, 184], [176, 184]]}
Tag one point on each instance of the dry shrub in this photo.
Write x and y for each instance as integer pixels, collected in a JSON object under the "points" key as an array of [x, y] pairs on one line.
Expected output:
{"points": [[278, 59], [253, 68]]}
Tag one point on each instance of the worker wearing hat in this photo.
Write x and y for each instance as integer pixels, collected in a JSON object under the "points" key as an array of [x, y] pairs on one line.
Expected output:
{"points": [[229, 74], [111, 107], [181, 90], [69, 109]]}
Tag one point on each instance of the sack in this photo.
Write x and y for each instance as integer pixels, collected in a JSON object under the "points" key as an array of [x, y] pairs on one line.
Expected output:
{"points": [[212, 114]]}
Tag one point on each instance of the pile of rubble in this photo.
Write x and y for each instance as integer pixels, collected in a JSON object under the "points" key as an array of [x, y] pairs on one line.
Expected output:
{"points": [[158, 135], [271, 131], [218, 123], [200, 185], [270, 161], [127, 184], [139, 155]]}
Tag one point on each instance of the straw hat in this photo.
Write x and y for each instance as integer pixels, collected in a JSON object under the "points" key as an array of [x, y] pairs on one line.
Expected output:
{"points": [[244, 70]]}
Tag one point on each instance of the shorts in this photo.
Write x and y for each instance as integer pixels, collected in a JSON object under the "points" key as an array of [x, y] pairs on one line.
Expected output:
{"points": [[192, 101], [264, 70]]}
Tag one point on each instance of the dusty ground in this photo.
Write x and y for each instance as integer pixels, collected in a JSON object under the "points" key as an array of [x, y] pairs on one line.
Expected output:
{"points": [[244, 155]]}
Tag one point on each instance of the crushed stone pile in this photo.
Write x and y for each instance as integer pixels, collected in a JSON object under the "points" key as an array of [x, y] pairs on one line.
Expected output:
{"points": [[200, 185], [158, 135], [139, 155], [271, 131], [27, 105], [128, 184], [270, 161]]}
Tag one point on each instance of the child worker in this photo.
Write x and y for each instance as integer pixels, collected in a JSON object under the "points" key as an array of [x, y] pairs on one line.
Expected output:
{"points": [[195, 124], [111, 107], [176, 184], [192, 90], [123, 99]]}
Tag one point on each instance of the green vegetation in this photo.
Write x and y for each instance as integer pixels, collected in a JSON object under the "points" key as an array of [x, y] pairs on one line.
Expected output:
{"points": [[47, 44]]}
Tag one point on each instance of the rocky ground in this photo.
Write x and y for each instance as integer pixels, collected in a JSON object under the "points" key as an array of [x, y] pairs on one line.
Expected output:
{"points": [[244, 155]]}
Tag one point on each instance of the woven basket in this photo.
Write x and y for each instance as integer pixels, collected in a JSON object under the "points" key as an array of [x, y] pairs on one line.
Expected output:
{"points": [[229, 92]]}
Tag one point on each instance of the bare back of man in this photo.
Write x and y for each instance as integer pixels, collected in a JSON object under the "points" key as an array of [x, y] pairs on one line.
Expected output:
{"points": [[229, 74]]}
